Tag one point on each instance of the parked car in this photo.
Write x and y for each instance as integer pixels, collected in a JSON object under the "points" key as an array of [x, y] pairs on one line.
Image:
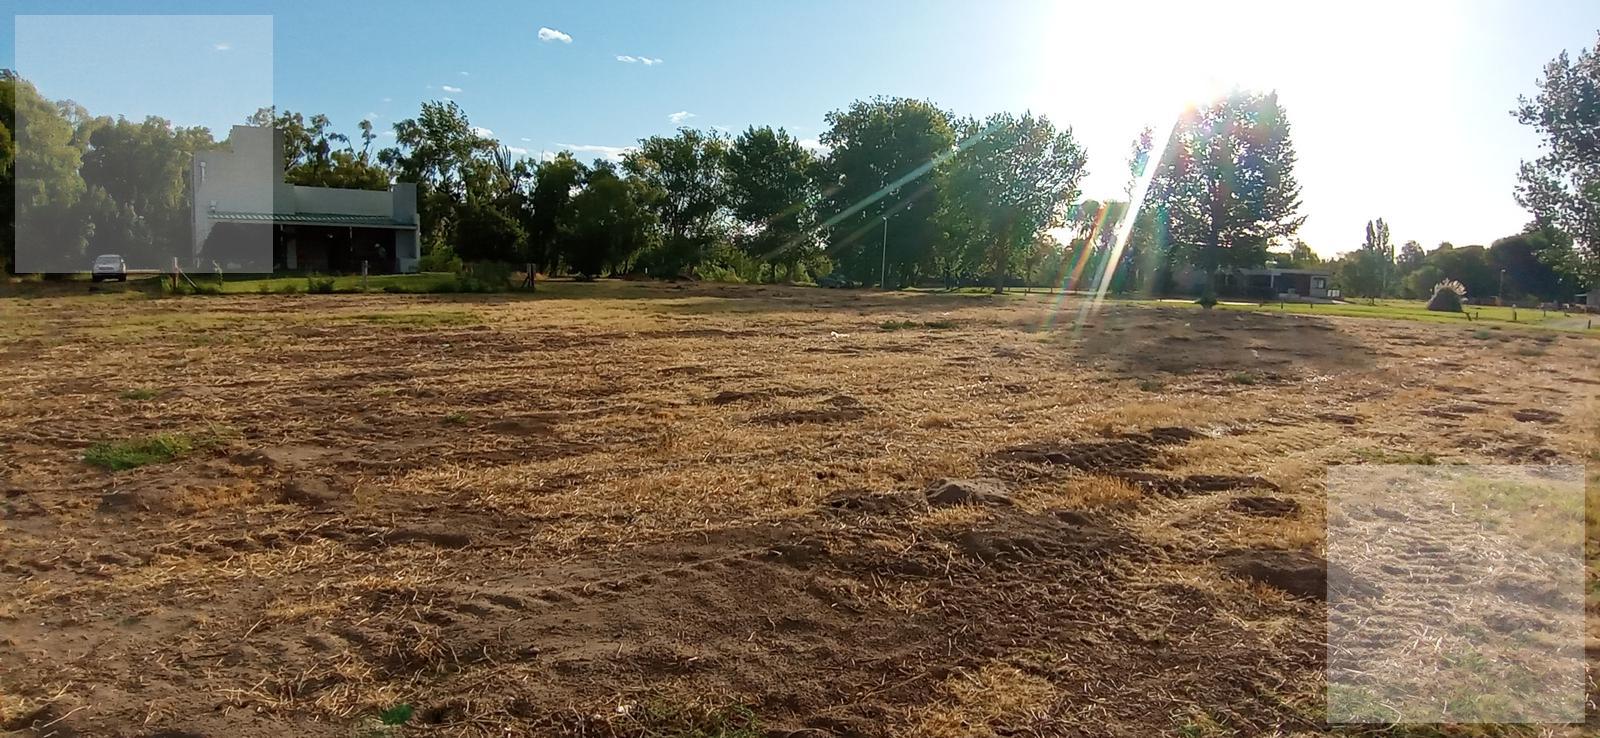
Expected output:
{"points": [[109, 266], [835, 282]]}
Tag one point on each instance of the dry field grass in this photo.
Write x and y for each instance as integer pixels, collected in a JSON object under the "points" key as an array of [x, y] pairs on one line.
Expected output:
{"points": [[651, 510]]}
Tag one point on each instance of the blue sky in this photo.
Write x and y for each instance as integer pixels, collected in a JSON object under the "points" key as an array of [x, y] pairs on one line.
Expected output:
{"points": [[1401, 109]]}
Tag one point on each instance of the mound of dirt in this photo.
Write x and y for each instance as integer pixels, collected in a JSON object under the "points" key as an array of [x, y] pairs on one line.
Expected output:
{"points": [[836, 409], [1266, 507], [309, 491], [1296, 572], [1535, 415], [1091, 456], [946, 492], [1165, 436], [1193, 484]]}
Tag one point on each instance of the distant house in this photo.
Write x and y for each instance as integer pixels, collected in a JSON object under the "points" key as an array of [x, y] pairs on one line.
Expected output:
{"points": [[1266, 283], [240, 197]]}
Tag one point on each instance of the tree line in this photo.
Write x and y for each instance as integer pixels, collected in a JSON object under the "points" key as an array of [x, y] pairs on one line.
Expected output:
{"points": [[900, 192]]}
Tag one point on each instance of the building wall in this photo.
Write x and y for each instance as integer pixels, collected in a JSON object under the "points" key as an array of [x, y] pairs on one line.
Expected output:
{"points": [[247, 176]]}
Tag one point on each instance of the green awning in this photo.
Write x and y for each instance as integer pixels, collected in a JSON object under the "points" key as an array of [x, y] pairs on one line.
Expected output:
{"points": [[315, 219]]}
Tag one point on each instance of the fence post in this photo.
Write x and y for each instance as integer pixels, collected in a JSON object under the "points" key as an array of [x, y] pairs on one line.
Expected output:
{"points": [[363, 275]]}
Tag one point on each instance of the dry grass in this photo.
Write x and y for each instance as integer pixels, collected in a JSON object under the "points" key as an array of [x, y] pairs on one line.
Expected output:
{"points": [[587, 461]]}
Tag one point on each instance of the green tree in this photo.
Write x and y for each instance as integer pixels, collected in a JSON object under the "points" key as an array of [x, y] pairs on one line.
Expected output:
{"points": [[1526, 273], [1562, 187], [882, 188], [142, 169], [554, 182], [687, 173], [43, 179], [486, 232], [1409, 258], [773, 193], [1225, 187], [610, 222], [1013, 179], [436, 150]]}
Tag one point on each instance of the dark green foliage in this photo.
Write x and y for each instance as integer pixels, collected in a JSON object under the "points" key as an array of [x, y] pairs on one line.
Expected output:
{"points": [[1225, 189], [885, 162], [1012, 179], [1562, 187], [316, 285], [1445, 301], [772, 191], [686, 178], [486, 231], [610, 221], [316, 155]]}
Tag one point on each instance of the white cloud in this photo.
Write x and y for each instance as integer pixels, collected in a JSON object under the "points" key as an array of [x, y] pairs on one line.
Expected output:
{"points": [[222, 46], [645, 60], [483, 132], [373, 116], [815, 145], [724, 129], [649, 61], [466, 74], [627, 59], [614, 153], [525, 139], [551, 34], [389, 133], [680, 116], [388, 99], [448, 88], [518, 150]]}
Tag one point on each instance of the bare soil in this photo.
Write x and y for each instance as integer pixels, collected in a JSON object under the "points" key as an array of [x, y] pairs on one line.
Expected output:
{"points": [[631, 509]]}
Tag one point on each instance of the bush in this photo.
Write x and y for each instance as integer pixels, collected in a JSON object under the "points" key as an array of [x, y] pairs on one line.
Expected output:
{"points": [[130, 454], [440, 258], [484, 276], [1447, 297], [319, 285]]}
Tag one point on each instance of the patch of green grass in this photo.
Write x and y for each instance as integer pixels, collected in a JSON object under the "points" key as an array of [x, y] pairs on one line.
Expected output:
{"points": [[137, 452], [906, 325], [1482, 335], [1394, 456], [457, 418], [138, 394], [1151, 385], [1243, 378], [1530, 351]]}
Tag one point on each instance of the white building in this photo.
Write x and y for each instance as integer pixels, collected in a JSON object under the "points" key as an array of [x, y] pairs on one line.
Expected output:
{"points": [[243, 207]]}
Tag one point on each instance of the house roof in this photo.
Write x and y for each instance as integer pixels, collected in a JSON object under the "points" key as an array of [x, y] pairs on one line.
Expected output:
{"points": [[321, 219]]}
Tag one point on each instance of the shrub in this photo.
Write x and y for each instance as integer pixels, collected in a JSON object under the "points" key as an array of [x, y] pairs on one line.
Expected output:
{"points": [[1447, 297], [319, 285], [440, 258], [484, 276], [137, 452]]}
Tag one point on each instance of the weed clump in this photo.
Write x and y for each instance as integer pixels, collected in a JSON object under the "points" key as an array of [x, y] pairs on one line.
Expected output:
{"points": [[137, 452]]}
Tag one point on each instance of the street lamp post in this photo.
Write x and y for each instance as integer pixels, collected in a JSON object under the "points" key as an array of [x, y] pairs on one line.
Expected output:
{"points": [[1501, 295]]}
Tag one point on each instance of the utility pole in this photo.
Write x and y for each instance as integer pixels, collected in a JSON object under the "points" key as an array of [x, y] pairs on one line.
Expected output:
{"points": [[883, 267], [1500, 297]]}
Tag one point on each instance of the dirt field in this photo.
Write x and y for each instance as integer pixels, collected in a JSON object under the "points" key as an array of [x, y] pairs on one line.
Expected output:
{"points": [[638, 509]]}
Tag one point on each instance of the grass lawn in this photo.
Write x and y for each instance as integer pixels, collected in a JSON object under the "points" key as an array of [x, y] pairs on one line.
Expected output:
{"points": [[1404, 310]]}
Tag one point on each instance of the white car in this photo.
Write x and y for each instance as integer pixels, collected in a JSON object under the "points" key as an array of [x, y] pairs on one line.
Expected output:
{"points": [[109, 266]]}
